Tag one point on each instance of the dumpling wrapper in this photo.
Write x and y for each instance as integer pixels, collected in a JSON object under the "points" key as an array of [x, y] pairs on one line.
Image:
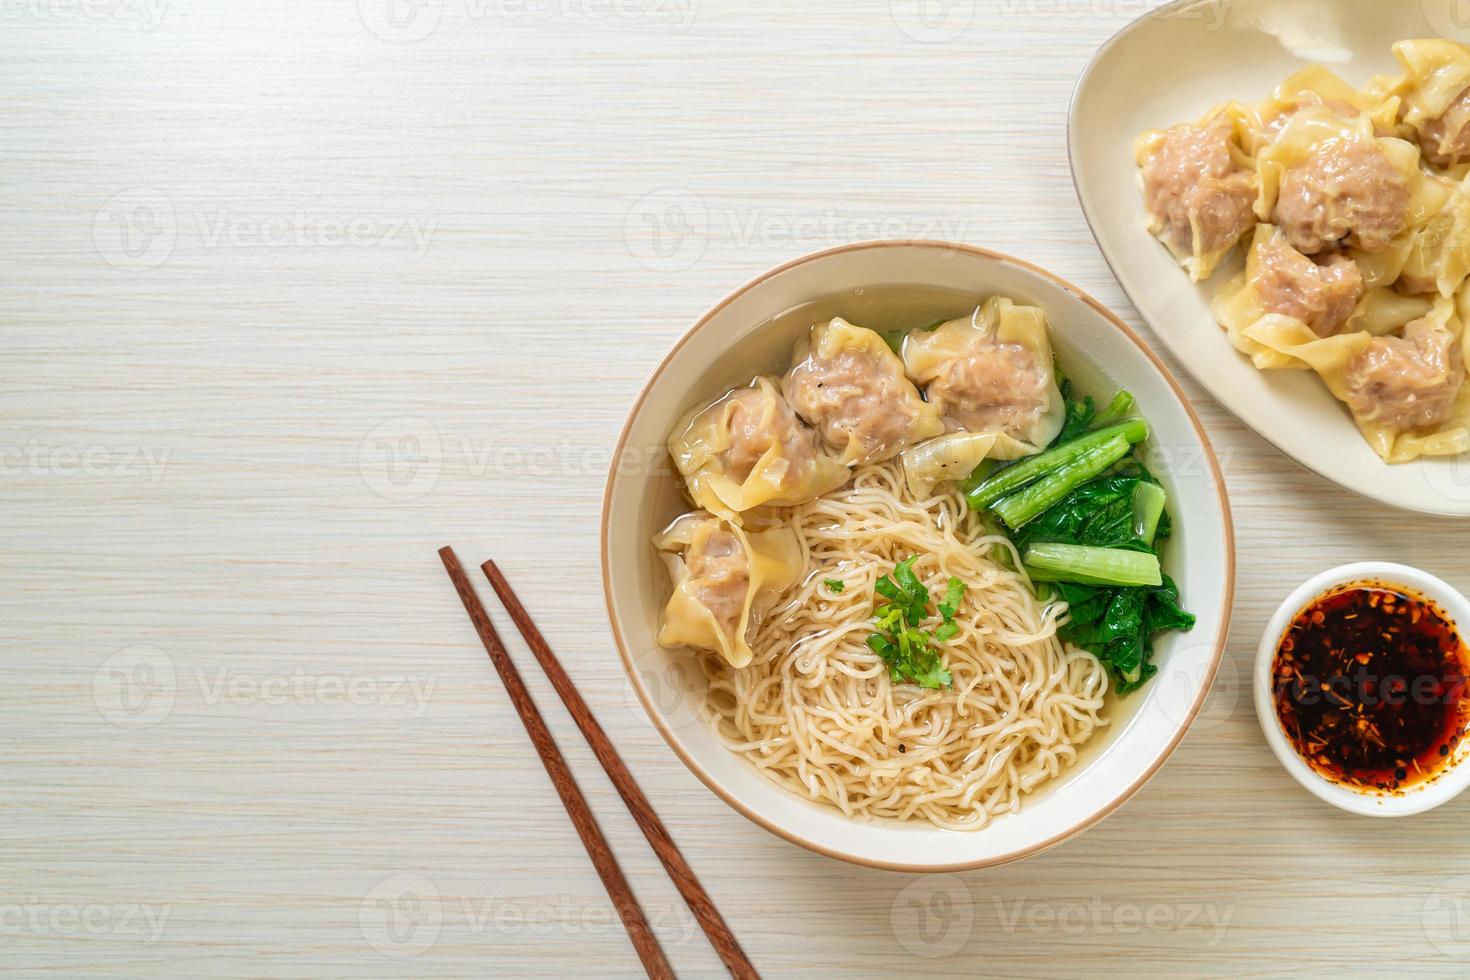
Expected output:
{"points": [[725, 579], [848, 384], [1436, 71], [1332, 358], [1318, 86], [747, 449], [992, 373], [945, 459], [1431, 89], [1437, 258]]}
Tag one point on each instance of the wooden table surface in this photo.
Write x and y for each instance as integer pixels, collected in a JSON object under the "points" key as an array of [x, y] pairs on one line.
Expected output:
{"points": [[295, 293]]}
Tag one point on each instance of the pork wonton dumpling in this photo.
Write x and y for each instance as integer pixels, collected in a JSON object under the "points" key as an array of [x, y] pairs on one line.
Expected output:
{"points": [[1407, 394], [725, 580], [1199, 186], [991, 373], [1322, 292], [748, 448], [1328, 293], [847, 383], [1329, 183], [1435, 89]]}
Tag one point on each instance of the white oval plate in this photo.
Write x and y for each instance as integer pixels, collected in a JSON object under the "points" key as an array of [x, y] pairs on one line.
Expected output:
{"points": [[1171, 66]]}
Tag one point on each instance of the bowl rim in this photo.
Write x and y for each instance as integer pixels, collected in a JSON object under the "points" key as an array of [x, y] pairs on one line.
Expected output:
{"points": [[1361, 490], [670, 737], [1418, 799]]}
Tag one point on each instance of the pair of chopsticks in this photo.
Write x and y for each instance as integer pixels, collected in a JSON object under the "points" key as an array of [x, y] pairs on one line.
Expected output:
{"points": [[643, 938]]}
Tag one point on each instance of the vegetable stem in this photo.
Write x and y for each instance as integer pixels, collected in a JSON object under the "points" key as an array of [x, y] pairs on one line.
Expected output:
{"points": [[1118, 408], [1148, 507], [985, 492], [1092, 566], [1030, 503]]}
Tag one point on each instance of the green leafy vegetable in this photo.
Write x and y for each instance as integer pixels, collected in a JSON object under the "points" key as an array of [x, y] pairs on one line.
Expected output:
{"points": [[954, 593], [834, 585], [1007, 481], [1116, 623], [1080, 415], [1149, 500], [1118, 626], [905, 646], [1099, 513], [1024, 506], [1084, 415], [1119, 508]]}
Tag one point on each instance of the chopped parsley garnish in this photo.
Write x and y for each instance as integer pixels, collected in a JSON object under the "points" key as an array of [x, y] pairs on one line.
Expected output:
{"points": [[905, 646], [953, 594], [834, 585]]}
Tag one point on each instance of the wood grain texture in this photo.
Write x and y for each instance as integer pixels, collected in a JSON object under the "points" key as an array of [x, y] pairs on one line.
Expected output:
{"points": [[715, 929], [288, 304], [635, 921]]}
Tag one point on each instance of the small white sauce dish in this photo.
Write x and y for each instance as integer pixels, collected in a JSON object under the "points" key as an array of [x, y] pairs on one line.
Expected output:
{"points": [[1415, 798]]}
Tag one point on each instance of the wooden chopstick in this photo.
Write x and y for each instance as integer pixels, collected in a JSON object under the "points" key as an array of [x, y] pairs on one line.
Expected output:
{"points": [[643, 938], [653, 828]]}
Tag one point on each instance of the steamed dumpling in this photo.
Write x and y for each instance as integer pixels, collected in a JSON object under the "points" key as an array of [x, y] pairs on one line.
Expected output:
{"points": [[1327, 183], [1407, 383], [1321, 292], [748, 448], [725, 580], [1435, 89], [848, 384], [991, 373], [1329, 294], [1199, 187], [1407, 394]]}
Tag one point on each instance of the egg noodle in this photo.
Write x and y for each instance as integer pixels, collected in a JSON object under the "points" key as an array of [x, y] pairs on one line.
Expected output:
{"points": [[816, 710]]}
